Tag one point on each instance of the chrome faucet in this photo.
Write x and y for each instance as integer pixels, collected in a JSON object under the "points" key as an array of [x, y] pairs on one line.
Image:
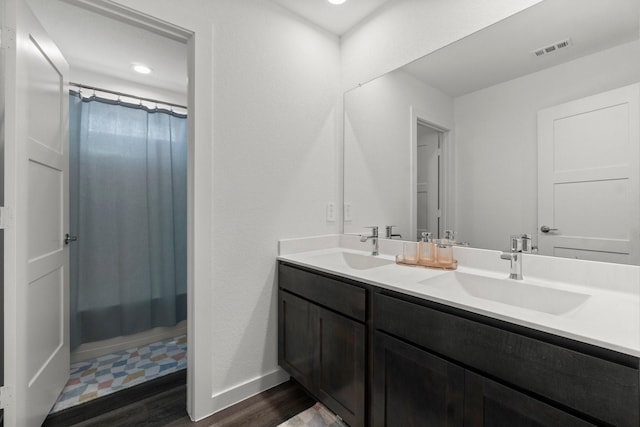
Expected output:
{"points": [[389, 234], [374, 239], [519, 244]]}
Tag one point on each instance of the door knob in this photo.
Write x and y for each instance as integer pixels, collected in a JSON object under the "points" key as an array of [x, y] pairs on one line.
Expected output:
{"points": [[68, 238], [546, 229]]}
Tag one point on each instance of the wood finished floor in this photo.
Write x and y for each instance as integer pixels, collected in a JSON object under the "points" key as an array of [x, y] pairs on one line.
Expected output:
{"points": [[167, 409]]}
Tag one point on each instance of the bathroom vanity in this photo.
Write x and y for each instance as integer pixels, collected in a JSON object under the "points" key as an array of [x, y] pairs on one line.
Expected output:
{"points": [[388, 345]]}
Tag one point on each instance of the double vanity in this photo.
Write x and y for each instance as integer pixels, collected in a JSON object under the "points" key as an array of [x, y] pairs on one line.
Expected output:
{"points": [[383, 344]]}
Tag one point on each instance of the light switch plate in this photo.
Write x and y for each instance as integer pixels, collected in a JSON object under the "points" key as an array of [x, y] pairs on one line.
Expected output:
{"points": [[331, 211]]}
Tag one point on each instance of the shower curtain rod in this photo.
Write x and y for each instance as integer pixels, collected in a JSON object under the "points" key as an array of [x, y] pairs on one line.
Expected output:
{"points": [[113, 92]]}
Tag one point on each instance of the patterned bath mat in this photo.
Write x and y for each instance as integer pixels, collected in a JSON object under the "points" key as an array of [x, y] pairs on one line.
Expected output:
{"points": [[110, 373], [316, 416]]}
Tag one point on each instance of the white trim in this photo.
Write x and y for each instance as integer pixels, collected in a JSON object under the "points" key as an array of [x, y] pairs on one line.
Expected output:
{"points": [[231, 396], [130, 16]]}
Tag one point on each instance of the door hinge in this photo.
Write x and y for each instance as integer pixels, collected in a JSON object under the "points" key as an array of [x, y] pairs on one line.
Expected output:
{"points": [[7, 38], [6, 219], [5, 397]]}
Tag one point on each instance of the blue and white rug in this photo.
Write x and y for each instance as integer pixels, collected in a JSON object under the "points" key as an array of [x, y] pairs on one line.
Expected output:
{"points": [[113, 372], [316, 416]]}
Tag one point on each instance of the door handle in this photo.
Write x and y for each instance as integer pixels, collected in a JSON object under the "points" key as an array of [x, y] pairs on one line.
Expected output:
{"points": [[68, 238], [546, 229]]}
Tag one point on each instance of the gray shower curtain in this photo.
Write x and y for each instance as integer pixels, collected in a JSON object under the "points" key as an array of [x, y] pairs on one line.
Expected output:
{"points": [[128, 200]]}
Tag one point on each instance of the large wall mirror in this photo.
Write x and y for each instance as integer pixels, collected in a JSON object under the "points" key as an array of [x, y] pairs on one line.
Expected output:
{"points": [[530, 123]]}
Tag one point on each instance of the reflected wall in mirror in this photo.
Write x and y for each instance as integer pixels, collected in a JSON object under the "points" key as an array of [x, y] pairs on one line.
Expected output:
{"points": [[491, 99]]}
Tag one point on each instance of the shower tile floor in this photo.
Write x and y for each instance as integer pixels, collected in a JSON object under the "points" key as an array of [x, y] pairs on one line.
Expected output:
{"points": [[113, 372]]}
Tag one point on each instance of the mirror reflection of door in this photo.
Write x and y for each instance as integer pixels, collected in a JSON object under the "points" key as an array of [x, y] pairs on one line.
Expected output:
{"points": [[589, 177], [428, 169]]}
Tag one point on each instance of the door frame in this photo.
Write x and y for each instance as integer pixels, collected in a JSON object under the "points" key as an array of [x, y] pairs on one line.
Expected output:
{"points": [[198, 36], [422, 118]]}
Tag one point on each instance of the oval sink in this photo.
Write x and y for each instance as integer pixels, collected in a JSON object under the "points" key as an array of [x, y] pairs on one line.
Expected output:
{"points": [[511, 292], [352, 260]]}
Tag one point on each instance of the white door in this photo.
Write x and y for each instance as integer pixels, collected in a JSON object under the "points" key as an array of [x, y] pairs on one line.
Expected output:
{"points": [[428, 181], [36, 197], [588, 177]]}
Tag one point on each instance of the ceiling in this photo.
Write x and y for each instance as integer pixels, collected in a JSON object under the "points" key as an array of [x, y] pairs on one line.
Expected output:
{"points": [[500, 52], [503, 51], [99, 45], [337, 19], [104, 46]]}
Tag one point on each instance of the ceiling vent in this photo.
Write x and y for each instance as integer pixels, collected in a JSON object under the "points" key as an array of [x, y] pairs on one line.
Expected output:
{"points": [[552, 48]]}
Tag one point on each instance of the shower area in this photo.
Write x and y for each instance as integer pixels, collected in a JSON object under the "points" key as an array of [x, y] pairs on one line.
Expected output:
{"points": [[128, 251]]}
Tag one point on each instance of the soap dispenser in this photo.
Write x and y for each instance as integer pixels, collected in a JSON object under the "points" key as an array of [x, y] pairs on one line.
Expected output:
{"points": [[426, 250]]}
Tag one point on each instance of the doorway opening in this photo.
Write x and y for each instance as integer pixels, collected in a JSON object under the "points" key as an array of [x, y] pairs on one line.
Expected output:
{"points": [[100, 66], [430, 164], [428, 180]]}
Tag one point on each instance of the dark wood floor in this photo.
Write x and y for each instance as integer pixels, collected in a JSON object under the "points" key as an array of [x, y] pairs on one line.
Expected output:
{"points": [[167, 409]]}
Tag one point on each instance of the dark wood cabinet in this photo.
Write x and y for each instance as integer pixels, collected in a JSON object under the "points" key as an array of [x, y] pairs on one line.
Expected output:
{"points": [[322, 341], [340, 361], [297, 338], [415, 388], [491, 404], [510, 378], [383, 358]]}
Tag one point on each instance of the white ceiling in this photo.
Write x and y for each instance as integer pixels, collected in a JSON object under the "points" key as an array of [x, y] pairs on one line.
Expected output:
{"points": [[502, 51], [97, 45], [103, 46], [337, 19]]}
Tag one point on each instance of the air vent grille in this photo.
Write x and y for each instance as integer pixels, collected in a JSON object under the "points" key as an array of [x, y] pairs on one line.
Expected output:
{"points": [[546, 50]]}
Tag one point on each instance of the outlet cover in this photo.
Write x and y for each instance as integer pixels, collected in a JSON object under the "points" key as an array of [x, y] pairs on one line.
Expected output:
{"points": [[348, 212]]}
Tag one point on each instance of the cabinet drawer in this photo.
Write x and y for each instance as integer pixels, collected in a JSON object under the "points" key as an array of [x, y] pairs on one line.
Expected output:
{"points": [[599, 388], [339, 296]]}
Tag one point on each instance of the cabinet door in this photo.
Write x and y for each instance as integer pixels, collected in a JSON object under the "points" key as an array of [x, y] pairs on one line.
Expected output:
{"points": [[491, 404], [340, 357], [296, 338], [413, 387]]}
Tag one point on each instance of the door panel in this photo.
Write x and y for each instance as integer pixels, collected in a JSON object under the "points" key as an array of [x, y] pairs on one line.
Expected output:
{"points": [[45, 196], [490, 404], [296, 337], [413, 387], [589, 177], [341, 365], [36, 191]]}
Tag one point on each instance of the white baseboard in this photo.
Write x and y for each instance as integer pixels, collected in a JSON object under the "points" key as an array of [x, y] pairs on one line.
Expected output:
{"points": [[250, 388]]}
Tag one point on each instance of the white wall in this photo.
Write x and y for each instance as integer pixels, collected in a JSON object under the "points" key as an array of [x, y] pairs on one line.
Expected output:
{"points": [[267, 89], [378, 148], [405, 30], [496, 143]]}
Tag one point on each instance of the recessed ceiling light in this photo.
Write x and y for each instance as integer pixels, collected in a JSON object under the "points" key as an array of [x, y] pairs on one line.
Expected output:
{"points": [[336, 1], [141, 68]]}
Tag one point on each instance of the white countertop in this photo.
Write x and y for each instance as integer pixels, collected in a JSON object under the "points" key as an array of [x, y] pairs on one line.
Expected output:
{"points": [[609, 318]]}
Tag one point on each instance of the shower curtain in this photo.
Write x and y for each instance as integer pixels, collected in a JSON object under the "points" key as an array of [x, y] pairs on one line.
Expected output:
{"points": [[128, 200]]}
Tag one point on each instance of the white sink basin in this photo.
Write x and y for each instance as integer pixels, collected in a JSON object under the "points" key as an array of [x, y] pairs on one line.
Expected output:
{"points": [[352, 260], [511, 292]]}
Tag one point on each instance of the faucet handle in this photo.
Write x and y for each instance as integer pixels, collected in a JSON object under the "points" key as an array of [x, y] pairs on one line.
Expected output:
{"points": [[374, 229], [521, 243], [449, 234]]}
